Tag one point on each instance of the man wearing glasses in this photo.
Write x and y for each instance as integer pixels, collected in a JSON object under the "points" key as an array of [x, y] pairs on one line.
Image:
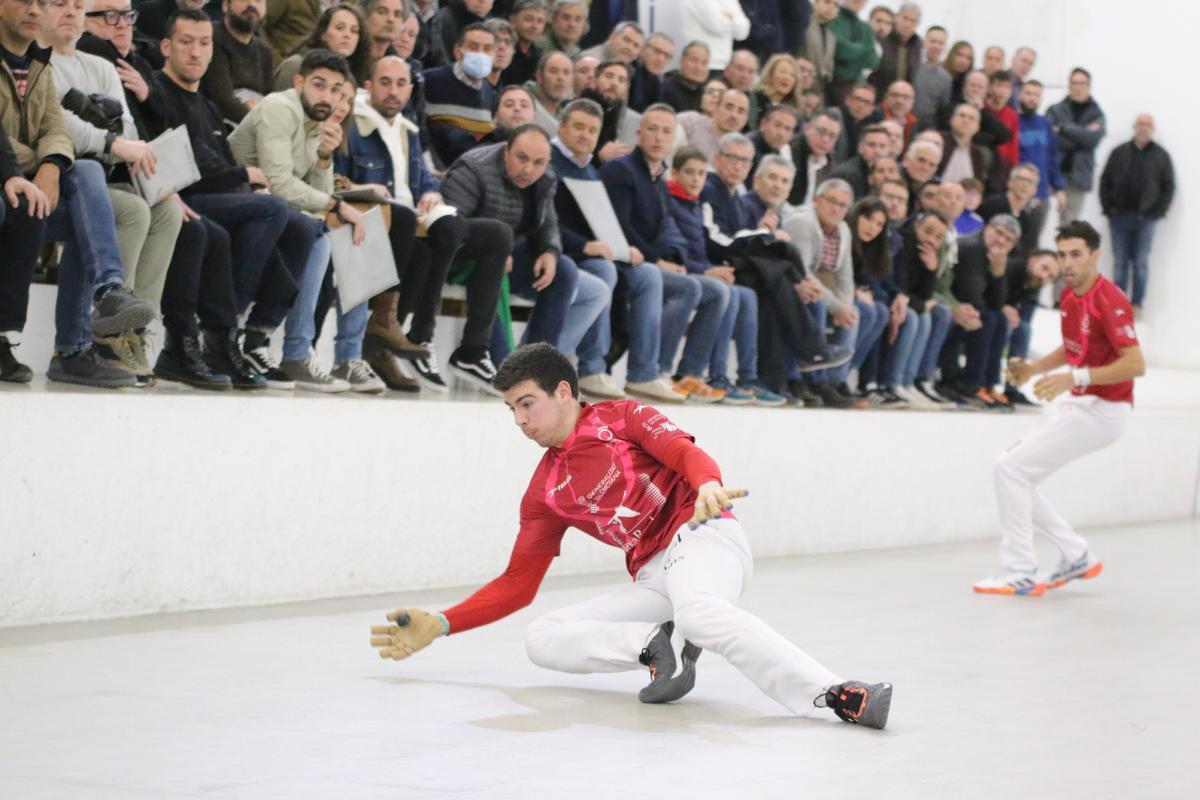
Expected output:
{"points": [[810, 154], [1079, 126]]}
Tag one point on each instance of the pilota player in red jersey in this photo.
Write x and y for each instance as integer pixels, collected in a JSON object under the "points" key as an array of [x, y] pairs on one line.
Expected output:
{"points": [[1101, 348], [623, 473]]}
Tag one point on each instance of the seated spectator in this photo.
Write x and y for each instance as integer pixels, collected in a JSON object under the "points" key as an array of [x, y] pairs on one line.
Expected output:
{"points": [[882, 20], [506, 44], [646, 84], [932, 84], [901, 50], [858, 112], [894, 195], [456, 16], [341, 29], [514, 109], [716, 23], [568, 22], [764, 203], [683, 87], [1018, 201], [776, 127], [992, 134], [290, 138], [969, 220], [855, 56], [551, 90], [998, 103], [897, 108], [779, 83], [623, 44], [428, 48], [22, 229], [152, 16], [510, 183], [1023, 284], [585, 74], [883, 170], [459, 98], [810, 154], [604, 18], [872, 144], [961, 157], [741, 73], [813, 101], [702, 131], [240, 73], [975, 292], [286, 24], [896, 144], [820, 42], [619, 133], [528, 18], [871, 259], [79, 214], [385, 18]]}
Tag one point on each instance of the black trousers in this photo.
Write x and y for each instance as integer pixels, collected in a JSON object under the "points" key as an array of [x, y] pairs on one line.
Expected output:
{"points": [[21, 239], [200, 280], [486, 242], [785, 324]]}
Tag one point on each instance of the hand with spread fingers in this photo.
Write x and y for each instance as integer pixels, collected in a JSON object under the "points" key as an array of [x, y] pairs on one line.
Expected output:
{"points": [[412, 630], [1053, 385], [712, 500]]}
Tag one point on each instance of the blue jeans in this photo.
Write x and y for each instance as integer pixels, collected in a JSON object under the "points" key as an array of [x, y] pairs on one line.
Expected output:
{"points": [[907, 349], [591, 344], [839, 337], [681, 296], [300, 327], [1019, 337], [740, 324], [705, 327], [872, 322], [549, 314], [939, 329], [979, 346], [644, 294], [1131, 239], [90, 259]]}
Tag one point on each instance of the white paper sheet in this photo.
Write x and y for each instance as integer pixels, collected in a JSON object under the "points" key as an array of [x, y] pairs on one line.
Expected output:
{"points": [[598, 211], [362, 271], [176, 168]]}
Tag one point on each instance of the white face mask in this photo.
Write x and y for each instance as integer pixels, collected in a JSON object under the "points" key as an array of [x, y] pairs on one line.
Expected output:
{"points": [[477, 65]]}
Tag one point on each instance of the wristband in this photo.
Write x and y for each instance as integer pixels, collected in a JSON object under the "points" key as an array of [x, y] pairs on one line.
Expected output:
{"points": [[445, 623], [1082, 377]]}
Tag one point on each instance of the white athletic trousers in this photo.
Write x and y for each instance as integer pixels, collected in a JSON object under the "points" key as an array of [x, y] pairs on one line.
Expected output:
{"points": [[1075, 426], [696, 581]]}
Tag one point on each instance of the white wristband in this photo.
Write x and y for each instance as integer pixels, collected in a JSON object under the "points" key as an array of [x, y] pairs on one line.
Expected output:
{"points": [[1082, 377]]}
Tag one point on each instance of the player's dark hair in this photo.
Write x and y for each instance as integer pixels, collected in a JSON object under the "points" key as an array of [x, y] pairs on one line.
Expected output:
{"points": [[541, 363], [186, 14], [1079, 230]]}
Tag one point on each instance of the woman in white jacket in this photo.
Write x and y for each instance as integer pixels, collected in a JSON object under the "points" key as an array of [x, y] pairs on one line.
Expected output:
{"points": [[717, 23]]}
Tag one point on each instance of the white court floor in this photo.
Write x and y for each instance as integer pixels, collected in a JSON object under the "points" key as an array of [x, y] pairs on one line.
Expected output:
{"points": [[1087, 692]]}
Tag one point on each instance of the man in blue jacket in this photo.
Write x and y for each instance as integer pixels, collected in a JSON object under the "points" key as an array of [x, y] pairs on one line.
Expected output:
{"points": [[1039, 146]]}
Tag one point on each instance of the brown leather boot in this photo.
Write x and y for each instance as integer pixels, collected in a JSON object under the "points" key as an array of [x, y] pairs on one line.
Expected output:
{"points": [[388, 369], [383, 329]]}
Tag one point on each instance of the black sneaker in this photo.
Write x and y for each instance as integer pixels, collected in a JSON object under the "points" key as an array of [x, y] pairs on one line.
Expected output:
{"points": [[256, 348], [827, 357], [670, 679], [475, 366], [119, 311], [804, 393], [865, 704], [831, 397], [11, 370], [844, 391], [181, 361], [1016, 397], [86, 368], [428, 371], [223, 354], [886, 397]]}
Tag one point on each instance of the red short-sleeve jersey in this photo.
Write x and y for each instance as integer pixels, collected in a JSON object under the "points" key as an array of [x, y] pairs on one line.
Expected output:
{"points": [[1096, 326], [608, 480]]}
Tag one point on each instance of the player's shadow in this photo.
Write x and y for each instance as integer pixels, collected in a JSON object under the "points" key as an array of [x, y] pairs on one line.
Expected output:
{"points": [[556, 708]]}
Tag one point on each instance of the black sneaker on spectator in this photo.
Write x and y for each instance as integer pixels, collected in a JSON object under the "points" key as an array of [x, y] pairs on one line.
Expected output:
{"points": [[222, 353], [119, 310], [474, 365], [127, 351], [87, 368], [428, 371], [829, 356], [953, 395], [830, 396], [309, 376], [256, 347], [801, 391], [885, 397], [181, 361], [1017, 398], [11, 370], [360, 376]]}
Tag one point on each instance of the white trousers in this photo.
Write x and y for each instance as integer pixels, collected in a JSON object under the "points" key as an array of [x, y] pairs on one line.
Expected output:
{"points": [[1075, 426], [696, 581]]}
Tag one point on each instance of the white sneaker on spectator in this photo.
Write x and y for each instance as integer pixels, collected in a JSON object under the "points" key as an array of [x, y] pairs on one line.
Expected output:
{"points": [[360, 376], [601, 386], [916, 400], [310, 377], [659, 390]]}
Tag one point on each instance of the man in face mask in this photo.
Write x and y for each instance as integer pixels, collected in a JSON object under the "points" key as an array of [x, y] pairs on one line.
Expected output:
{"points": [[459, 98], [240, 73]]}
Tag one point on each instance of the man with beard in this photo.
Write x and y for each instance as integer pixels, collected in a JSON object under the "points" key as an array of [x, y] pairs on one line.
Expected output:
{"points": [[618, 133], [704, 131], [552, 88], [240, 73], [1039, 147]]}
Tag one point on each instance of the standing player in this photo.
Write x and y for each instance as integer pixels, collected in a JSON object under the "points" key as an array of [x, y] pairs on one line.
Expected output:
{"points": [[1101, 347], [623, 473]]}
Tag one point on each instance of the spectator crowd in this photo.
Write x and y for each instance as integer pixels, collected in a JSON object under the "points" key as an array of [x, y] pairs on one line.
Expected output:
{"points": [[852, 206]]}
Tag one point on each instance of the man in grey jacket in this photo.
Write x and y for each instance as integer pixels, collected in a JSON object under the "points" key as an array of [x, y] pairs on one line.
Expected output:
{"points": [[510, 182], [1079, 125]]}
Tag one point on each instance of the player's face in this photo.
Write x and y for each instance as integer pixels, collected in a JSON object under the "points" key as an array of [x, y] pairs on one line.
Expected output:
{"points": [[541, 417], [1078, 262]]}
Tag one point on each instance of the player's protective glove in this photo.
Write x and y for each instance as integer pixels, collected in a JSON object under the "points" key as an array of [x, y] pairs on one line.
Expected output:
{"points": [[413, 630], [712, 499]]}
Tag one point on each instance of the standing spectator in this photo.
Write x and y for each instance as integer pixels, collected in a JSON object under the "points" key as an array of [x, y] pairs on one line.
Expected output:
{"points": [[458, 15], [683, 87], [776, 127], [646, 83], [794, 16], [568, 22], [993, 60], [551, 89], [933, 84], [286, 24], [855, 56], [779, 83], [528, 18], [902, 49], [810, 154], [766, 36], [623, 44], [428, 48], [342, 29], [1079, 125], [704, 131], [604, 17], [856, 172], [999, 92], [961, 157], [820, 43], [717, 23], [1136, 189], [240, 73], [1039, 147], [1023, 62], [459, 96], [740, 73], [23, 212], [958, 64], [993, 134], [882, 20], [897, 107]]}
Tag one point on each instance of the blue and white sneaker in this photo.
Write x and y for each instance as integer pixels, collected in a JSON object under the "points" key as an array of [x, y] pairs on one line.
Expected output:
{"points": [[734, 395], [1085, 568], [1022, 583], [762, 395]]}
